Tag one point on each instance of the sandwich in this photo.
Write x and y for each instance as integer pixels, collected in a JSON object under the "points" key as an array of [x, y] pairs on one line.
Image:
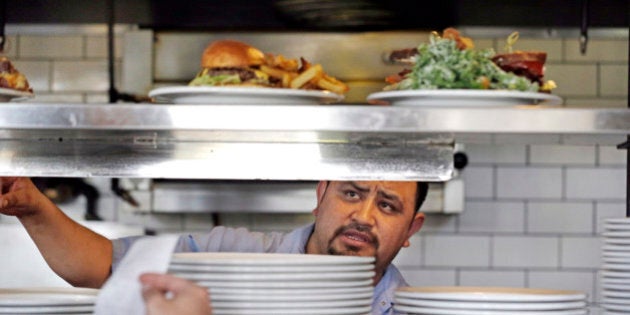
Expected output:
{"points": [[11, 78], [528, 64], [230, 62], [235, 63]]}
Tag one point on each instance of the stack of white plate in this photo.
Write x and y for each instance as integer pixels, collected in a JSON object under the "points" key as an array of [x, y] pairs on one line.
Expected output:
{"points": [[615, 273], [489, 301], [264, 283], [47, 301]]}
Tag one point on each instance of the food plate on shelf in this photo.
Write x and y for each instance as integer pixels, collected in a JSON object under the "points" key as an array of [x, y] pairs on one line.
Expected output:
{"points": [[8, 95], [227, 95], [463, 98]]}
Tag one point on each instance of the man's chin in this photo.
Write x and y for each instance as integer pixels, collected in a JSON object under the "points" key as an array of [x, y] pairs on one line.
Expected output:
{"points": [[350, 252]]}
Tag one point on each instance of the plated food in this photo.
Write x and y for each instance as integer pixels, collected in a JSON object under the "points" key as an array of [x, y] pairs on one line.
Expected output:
{"points": [[235, 63], [451, 62], [13, 84], [236, 73], [11, 78], [449, 70]]}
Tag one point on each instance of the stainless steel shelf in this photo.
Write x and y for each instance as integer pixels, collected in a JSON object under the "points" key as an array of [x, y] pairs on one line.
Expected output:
{"points": [[265, 142]]}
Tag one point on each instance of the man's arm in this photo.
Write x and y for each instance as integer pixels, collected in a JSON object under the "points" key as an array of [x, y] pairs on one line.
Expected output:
{"points": [[76, 253]]}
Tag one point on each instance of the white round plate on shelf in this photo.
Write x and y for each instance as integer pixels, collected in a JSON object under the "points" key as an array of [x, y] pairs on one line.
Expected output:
{"points": [[11, 95], [234, 95], [463, 98]]}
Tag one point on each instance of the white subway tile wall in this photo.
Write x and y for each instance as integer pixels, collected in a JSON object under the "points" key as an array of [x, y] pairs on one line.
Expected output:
{"points": [[534, 204]]}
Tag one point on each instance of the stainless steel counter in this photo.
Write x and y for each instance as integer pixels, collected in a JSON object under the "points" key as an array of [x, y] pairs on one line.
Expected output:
{"points": [[266, 142]]}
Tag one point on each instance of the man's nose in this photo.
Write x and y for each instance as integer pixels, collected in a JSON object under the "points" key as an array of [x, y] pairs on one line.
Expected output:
{"points": [[365, 211]]}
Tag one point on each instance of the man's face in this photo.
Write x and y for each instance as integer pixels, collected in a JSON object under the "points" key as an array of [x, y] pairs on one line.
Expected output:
{"points": [[371, 218]]}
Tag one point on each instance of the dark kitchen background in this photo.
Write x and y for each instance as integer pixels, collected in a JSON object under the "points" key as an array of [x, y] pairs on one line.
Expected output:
{"points": [[334, 15]]}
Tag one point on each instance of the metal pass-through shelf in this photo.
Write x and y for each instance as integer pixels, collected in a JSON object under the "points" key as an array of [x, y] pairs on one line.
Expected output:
{"points": [[265, 142]]}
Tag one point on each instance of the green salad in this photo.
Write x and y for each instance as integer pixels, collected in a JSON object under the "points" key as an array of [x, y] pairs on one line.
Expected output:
{"points": [[441, 65]]}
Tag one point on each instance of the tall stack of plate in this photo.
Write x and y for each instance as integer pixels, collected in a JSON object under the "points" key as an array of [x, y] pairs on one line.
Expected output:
{"points": [[47, 301], [615, 273], [265, 283], [488, 301]]}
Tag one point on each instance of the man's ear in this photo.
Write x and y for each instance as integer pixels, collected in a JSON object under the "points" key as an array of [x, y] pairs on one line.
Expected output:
{"points": [[321, 189], [415, 226]]}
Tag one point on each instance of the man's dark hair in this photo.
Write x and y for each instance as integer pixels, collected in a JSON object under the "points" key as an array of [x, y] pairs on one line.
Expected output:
{"points": [[421, 194]]}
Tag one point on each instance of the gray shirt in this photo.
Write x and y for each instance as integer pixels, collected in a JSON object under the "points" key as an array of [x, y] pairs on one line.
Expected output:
{"points": [[225, 239]]}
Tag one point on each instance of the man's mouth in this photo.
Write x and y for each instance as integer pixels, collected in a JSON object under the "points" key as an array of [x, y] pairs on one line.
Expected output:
{"points": [[356, 239]]}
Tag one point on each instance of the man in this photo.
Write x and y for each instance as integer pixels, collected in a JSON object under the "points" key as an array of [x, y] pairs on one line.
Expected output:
{"points": [[364, 218]]}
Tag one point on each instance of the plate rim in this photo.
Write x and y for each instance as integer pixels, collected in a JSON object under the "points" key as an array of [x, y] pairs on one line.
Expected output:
{"points": [[251, 91], [547, 99], [16, 94]]}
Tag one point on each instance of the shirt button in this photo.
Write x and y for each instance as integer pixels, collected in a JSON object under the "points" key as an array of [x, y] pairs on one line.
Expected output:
{"points": [[383, 303]]}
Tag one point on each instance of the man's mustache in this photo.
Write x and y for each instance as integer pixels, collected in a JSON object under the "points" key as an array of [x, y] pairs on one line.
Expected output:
{"points": [[361, 228]]}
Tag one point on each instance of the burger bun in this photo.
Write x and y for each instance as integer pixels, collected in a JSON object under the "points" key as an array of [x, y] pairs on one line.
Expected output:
{"points": [[231, 54]]}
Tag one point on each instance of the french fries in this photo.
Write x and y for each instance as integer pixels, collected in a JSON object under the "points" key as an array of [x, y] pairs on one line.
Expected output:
{"points": [[301, 75]]}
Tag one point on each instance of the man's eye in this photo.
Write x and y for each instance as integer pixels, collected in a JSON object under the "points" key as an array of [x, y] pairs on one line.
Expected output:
{"points": [[388, 207], [352, 194]]}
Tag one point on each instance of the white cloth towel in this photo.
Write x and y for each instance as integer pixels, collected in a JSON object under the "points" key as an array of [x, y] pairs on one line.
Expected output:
{"points": [[122, 293]]}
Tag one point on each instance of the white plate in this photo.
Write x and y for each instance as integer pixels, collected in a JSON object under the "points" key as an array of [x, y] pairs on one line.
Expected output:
{"points": [[616, 248], [349, 295], [298, 311], [615, 274], [616, 254], [285, 284], [618, 221], [494, 294], [228, 95], [616, 260], [617, 241], [607, 281], [266, 259], [616, 307], [318, 276], [505, 306], [617, 287], [616, 294], [463, 98], [7, 95], [47, 296], [176, 267], [46, 310], [616, 266], [291, 305], [440, 311], [617, 227], [616, 234], [297, 292]]}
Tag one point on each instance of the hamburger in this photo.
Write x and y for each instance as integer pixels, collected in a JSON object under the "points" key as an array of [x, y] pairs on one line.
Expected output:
{"points": [[230, 62], [234, 63]]}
